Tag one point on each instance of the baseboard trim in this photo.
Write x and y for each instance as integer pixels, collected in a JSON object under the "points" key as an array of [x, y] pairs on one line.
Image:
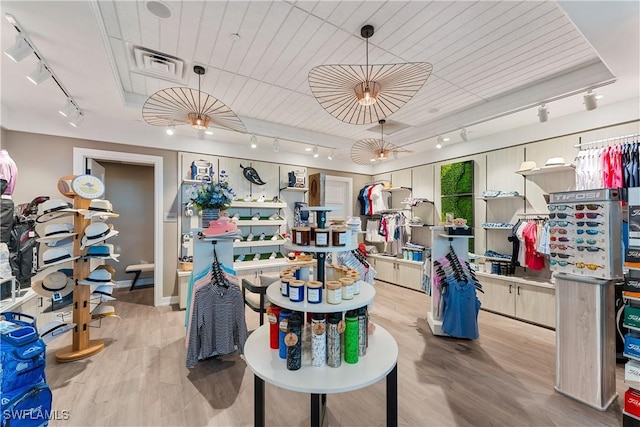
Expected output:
{"points": [[170, 300]]}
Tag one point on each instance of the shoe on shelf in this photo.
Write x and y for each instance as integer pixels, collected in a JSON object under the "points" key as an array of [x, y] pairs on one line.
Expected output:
{"points": [[256, 257], [275, 199], [250, 237], [275, 216], [240, 258], [262, 236], [261, 199], [235, 217], [272, 256], [247, 198], [275, 237], [237, 240], [256, 216]]}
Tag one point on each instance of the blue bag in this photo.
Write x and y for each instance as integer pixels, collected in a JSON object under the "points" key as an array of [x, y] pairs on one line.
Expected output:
{"points": [[22, 352], [26, 407]]}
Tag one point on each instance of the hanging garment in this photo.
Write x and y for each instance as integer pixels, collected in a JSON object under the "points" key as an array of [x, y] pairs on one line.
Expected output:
{"points": [[533, 259], [461, 307], [218, 324]]}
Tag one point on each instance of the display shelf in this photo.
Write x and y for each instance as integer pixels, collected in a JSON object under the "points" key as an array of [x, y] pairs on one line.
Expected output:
{"points": [[394, 259], [519, 196], [419, 225], [627, 355], [446, 236], [259, 222], [547, 169], [494, 259], [258, 243], [195, 181], [499, 228], [381, 357], [290, 246], [393, 189], [636, 299], [321, 208], [633, 328], [365, 297], [630, 415], [237, 204], [516, 279], [267, 263], [299, 189], [221, 237]]}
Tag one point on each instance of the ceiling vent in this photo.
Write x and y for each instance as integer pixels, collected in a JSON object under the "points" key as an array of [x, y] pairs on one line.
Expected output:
{"points": [[390, 127], [157, 64]]}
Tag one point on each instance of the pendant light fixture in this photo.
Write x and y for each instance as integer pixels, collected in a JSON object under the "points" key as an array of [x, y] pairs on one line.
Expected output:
{"points": [[358, 94], [183, 105], [370, 150]]}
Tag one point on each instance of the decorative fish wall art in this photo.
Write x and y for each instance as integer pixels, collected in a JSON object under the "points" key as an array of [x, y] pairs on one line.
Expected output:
{"points": [[252, 175]]}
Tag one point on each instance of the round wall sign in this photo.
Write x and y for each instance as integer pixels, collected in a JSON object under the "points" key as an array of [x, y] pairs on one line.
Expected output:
{"points": [[88, 186]]}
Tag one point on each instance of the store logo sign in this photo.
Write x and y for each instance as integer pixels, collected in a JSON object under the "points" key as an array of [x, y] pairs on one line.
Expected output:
{"points": [[634, 347], [576, 197]]}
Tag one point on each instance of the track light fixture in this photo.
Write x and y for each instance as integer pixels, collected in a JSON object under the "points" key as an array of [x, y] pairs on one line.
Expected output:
{"points": [[439, 142], [330, 156], [20, 50], [543, 113], [208, 132], [76, 118], [254, 142], [463, 135], [40, 74], [591, 100], [315, 152], [67, 108], [276, 145], [25, 47], [171, 130]]}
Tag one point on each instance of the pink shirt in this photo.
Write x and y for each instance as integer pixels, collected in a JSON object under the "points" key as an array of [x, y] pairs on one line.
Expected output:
{"points": [[8, 171]]}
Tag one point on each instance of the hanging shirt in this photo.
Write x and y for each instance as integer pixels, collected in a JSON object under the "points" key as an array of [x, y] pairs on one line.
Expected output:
{"points": [[545, 240], [8, 171], [521, 247], [533, 259], [461, 306], [218, 325]]}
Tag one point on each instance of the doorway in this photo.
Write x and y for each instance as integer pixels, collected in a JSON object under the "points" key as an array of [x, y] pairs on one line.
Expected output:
{"points": [[83, 157], [339, 193]]}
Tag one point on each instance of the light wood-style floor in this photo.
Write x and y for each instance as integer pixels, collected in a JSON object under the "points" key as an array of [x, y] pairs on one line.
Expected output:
{"points": [[504, 378]]}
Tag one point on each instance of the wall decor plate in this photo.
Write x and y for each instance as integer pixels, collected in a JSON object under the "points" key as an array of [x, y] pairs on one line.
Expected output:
{"points": [[88, 186]]}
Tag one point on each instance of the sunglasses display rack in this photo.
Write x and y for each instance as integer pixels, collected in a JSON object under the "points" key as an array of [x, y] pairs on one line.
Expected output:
{"points": [[586, 268], [583, 226]]}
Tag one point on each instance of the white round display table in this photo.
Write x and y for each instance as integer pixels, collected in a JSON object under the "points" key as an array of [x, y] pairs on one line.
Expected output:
{"points": [[379, 362]]}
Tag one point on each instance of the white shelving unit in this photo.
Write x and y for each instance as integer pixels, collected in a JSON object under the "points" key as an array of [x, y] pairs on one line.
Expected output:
{"points": [[547, 169], [365, 297]]}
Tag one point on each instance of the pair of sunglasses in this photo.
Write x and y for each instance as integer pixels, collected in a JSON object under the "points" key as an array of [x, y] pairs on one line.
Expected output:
{"points": [[560, 255], [558, 230], [559, 207], [560, 263], [589, 232], [560, 215], [559, 223], [560, 239], [589, 223], [590, 248], [561, 247], [589, 266], [590, 215], [591, 207], [580, 241]]}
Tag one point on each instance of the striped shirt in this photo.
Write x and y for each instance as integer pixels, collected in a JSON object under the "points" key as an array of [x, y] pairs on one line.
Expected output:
{"points": [[217, 323]]}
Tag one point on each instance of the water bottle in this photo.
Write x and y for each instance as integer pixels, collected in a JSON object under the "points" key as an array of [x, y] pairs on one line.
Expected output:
{"points": [[334, 350], [362, 331], [283, 321], [351, 337], [293, 340], [273, 314], [318, 340]]}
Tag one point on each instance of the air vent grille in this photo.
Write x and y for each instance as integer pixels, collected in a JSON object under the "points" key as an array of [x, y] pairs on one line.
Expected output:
{"points": [[157, 64]]}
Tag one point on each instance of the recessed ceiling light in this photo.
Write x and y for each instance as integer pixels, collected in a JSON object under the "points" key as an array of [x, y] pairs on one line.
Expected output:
{"points": [[434, 110], [159, 8], [308, 149], [235, 37], [208, 132], [446, 139]]}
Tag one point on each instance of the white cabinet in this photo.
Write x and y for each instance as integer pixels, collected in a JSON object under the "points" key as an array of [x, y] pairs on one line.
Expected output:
{"points": [[512, 297], [397, 271], [536, 304]]}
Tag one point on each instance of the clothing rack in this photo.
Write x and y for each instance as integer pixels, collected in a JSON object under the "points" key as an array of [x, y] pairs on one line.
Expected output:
{"points": [[606, 140], [378, 181], [533, 215]]}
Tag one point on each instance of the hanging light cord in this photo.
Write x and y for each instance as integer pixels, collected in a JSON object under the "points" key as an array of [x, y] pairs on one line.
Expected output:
{"points": [[199, 92], [367, 79]]}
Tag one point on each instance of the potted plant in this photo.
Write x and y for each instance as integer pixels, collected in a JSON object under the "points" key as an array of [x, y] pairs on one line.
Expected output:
{"points": [[212, 198]]}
